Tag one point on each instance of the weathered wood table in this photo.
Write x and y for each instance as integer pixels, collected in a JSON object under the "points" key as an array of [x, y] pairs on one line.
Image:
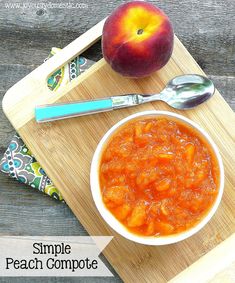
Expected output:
{"points": [[207, 29]]}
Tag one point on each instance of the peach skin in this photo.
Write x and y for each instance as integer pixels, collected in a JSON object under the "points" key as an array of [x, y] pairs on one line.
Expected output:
{"points": [[137, 39]]}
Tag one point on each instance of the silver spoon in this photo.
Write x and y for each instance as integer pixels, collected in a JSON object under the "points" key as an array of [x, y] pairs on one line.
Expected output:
{"points": [[182, 92]]}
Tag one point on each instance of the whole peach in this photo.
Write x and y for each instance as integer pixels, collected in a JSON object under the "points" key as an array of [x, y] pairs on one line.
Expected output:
{"points": [[137, 39]]}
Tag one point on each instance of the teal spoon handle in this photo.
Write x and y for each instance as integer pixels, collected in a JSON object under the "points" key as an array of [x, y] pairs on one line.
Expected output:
{"points": [[47, 113]]}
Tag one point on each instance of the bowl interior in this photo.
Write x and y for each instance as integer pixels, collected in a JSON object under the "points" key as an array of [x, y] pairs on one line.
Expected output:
{"points": [[107, 215]]}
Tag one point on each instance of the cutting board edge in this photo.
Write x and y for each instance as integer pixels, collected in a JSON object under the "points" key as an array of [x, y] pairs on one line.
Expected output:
{"points": [[9, 109], [34, 85]]}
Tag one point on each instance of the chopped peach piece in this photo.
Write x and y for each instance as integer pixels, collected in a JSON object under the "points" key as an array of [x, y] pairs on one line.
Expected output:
{"points": [[153, 175], [151, 228], [163, 185], [121, 179], [142, 179], [130, 167], [129, 139], [138, 216], [197, 204], [165, 156], [138, 130], [116, 194], [123, 211], [125, 149], [108, 155], [164, 228], [142, 141], [189, 152], [155, 208], [148, 127], [164, 207], [200, 176], [146, 178], [195, 180]]}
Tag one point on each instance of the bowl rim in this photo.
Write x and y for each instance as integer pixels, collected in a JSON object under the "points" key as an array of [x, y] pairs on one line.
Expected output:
{"points": [[108, 216]]}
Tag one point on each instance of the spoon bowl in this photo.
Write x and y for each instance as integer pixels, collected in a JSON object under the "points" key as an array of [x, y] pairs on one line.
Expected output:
{"points": [[184, 92], [188, 91]]}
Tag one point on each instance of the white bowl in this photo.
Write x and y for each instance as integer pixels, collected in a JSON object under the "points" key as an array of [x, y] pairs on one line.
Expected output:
{"points": [[118, 226]]}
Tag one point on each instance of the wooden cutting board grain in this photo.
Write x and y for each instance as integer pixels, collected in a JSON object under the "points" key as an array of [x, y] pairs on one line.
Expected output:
{"points": [[65, 149]]}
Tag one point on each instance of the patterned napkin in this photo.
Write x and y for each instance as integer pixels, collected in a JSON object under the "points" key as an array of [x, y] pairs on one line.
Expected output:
{"points": [[18, 162]]}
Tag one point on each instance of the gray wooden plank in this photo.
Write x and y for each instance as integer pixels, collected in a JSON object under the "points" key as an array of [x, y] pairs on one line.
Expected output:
{"points": [[226, 86], [26, 211], [12, 73], [208, 33], [6, 130]]}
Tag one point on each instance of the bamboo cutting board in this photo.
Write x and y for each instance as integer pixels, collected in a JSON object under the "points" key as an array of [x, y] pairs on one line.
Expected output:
{"points": [[65, 149]]}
